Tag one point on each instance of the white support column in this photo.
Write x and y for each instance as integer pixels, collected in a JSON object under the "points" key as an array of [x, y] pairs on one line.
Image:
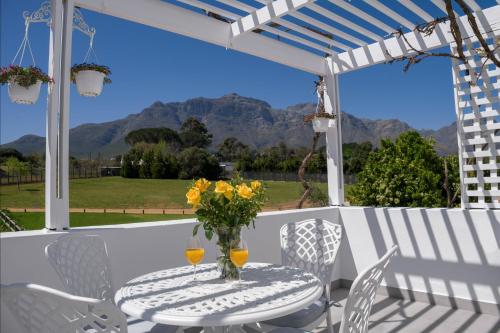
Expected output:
{"points": [[334, 139], [57, 126]]}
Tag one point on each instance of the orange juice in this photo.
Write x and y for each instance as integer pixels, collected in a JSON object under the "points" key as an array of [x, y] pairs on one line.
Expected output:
{"points": [[195, 255], [238, 257]]}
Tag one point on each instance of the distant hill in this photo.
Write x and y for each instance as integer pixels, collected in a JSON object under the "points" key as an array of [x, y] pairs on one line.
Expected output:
{"points": [[252, 121]]}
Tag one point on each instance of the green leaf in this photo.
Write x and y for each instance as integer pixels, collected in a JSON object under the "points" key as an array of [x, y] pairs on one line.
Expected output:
{"points": [[209, 234], [195, 229]]}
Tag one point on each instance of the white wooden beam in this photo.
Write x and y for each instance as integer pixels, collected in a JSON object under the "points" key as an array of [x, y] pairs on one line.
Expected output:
{"points": [[57, 122], [265, 15], [334, 139], [376, 53], [165, 16]]}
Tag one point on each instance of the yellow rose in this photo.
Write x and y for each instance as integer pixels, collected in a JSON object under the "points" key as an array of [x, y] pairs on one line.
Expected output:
{"points": [[255, 185], [193, 196], [222, 187], [244, 191], [202, 184]]}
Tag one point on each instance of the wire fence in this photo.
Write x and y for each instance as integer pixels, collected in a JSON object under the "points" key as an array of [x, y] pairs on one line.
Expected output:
{"points": [[37, 175]]}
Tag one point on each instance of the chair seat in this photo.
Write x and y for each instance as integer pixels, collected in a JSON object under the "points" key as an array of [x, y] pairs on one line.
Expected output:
{"points": [[287, 330], [301, 318], [141, 326]]}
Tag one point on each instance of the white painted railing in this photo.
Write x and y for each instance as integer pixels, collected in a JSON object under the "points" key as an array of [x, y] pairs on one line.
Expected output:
{"points": [[447, 255]]}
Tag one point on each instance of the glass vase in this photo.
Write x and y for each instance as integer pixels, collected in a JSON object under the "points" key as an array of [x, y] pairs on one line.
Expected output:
{"points": [[227, 237]]}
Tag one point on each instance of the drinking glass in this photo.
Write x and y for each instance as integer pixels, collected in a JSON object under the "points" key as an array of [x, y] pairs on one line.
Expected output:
{"points": [[239, 256], [194, 253]]}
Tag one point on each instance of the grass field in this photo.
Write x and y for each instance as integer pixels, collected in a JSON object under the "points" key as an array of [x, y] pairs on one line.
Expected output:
{"points": [[117, 192], [123, 193], [35, 221]]}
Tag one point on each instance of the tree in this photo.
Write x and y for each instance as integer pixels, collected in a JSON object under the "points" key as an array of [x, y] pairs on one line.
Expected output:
{"points": [[231, 150], [5, 153], [355, 156], [129, 168], [146, 163], [154, 136], [17, 168], [195, 134], [407, 173], [451, 180], [196, 162]]}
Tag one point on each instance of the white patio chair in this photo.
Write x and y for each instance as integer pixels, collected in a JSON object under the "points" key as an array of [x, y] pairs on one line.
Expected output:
{"points": [[355, 318], [82, 263], [40, 309], [311, 245]]}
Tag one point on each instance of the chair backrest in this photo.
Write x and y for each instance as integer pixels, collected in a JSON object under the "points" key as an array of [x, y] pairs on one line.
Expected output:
{"points": [[82, 263], [311, 245], [39, 309], [362, 295]]}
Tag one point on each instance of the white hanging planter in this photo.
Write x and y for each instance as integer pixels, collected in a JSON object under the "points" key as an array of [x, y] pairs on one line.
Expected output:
{"points": [[321, 125], [24, 95], [89, 83]]}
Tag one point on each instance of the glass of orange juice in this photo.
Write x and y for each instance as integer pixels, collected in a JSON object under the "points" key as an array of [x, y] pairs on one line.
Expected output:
{"points": [[239, 256], [194, 253]]}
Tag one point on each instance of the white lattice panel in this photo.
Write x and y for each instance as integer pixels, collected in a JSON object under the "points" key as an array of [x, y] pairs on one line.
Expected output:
{"points": [[477, 105]]}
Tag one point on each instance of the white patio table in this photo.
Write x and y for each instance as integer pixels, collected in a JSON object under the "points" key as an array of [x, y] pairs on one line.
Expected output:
{"points": [[171, 297]]}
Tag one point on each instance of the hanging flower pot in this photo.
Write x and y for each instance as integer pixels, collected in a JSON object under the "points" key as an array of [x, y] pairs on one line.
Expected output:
{"points": [[24, 83], [24, 95], [90, 78], [321, 121]]}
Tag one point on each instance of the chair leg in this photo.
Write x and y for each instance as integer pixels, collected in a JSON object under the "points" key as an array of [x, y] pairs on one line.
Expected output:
{"points": [[329, 320]]}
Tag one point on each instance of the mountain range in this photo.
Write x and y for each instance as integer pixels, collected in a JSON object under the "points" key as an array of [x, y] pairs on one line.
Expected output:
{"points": [[252, 121]]}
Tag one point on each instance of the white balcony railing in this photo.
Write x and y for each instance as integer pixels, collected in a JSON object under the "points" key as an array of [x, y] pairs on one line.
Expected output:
{"points": [[448, 256]]}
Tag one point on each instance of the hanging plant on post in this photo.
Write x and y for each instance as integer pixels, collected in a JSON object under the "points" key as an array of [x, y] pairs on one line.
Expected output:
{"points": [[90, 78], [24, 82], [321, 120]]}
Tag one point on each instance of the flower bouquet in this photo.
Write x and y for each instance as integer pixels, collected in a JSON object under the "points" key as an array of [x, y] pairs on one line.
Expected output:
{"points": [[223, 210]]}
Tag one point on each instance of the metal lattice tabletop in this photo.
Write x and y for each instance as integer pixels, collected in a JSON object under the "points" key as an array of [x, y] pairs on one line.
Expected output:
{"points": [[170, 297]]}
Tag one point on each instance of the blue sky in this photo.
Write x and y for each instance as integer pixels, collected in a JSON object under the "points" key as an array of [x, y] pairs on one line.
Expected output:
{"points": [[150, 65]]}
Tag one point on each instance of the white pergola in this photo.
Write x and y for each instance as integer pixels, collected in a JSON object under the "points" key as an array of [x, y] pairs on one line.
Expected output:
{"points": [[296, 33]]}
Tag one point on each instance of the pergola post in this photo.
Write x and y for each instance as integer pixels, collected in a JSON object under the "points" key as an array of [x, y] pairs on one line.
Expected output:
{"points": [[334, 138], [57, 121]]}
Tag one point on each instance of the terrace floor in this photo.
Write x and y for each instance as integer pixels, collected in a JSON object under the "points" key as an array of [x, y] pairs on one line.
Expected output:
{"points": [[392, 315]]}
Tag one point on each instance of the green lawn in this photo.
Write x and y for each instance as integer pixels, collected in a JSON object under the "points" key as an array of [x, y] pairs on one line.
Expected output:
{"points": [[117, 192], [35, 221]]}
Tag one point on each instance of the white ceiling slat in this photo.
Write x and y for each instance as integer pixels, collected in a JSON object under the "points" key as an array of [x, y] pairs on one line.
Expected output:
{"points": [[339, 19], [361, 14], [210, 8], [472, 4], [310, 33], [328, 28], [440, 4], [289, 25], [390, 13], [417, 10], [284, 34], [265, 15], [169, 17]]}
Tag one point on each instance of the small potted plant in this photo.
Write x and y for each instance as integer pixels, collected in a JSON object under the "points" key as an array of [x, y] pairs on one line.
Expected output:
{"points": [[24, 82], [321, 121], [89, 78]]}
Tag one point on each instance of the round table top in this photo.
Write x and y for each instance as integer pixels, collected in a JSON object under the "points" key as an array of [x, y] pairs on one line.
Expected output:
{"points": [[171, 297]]}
